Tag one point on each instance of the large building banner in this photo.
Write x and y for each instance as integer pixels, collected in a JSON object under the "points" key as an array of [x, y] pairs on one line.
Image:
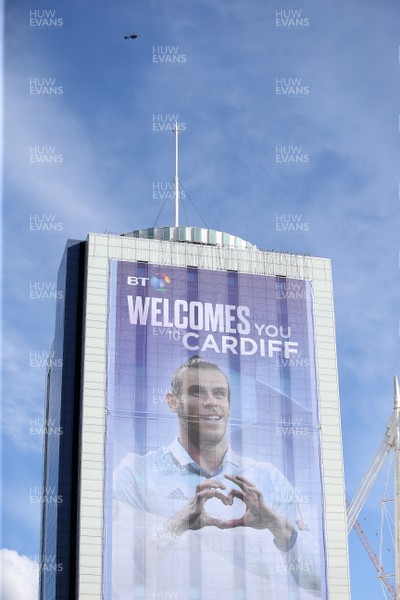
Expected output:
{"points": [[213, 487]]}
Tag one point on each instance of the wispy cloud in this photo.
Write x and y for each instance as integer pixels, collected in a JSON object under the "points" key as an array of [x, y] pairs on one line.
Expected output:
{"points": [[20, 576]]}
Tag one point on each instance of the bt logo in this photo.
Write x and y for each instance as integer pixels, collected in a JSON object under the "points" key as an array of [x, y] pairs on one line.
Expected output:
{"points": [[160, 282], [134, 280]]}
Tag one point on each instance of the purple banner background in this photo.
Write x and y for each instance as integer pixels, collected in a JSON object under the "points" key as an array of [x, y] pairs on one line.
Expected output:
{"points": [[274, 408]]}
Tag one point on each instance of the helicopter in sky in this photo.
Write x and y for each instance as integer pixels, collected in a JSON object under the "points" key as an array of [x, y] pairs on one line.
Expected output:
{"points": [[131, 36]]}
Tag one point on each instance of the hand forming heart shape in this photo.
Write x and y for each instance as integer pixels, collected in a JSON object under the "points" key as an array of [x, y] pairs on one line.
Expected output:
{"points": [[217, 509]]}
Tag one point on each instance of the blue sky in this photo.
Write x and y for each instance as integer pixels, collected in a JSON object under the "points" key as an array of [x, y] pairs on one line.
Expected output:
{"points": [[99, 127]]}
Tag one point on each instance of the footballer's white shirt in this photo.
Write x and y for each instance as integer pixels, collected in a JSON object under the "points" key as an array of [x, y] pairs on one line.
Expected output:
{"points": [[149, 562]]}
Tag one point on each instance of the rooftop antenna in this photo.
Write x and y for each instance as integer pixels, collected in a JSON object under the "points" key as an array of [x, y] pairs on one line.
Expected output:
{"points": [[176, 180]]}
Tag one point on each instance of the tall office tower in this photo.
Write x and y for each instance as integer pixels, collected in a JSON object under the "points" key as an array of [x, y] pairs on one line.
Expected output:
{"points": [[194, 430]]}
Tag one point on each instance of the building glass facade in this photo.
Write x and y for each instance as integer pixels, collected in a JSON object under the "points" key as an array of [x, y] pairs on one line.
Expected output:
{"points": [[61, 445]]}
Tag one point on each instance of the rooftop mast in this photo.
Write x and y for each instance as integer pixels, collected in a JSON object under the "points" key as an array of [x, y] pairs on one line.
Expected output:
{"points": [[176, 180]]}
